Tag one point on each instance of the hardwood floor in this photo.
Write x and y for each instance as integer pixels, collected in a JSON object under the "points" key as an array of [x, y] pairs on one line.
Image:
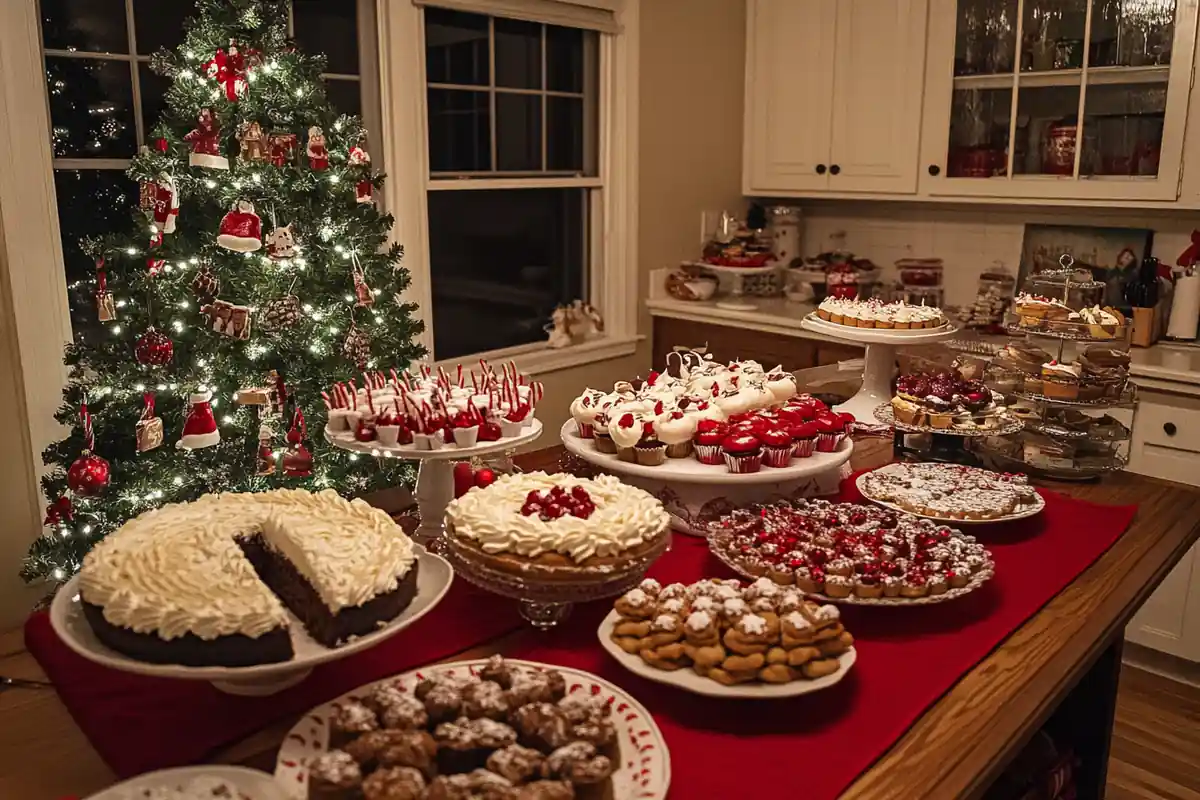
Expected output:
{"points": [[1156, 742]]}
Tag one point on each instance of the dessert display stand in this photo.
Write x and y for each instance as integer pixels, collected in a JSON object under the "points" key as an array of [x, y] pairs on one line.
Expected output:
{"points": [[946, 445], [693, 492], [736, 288], [879, 364], [67, 619], [435, 478]]}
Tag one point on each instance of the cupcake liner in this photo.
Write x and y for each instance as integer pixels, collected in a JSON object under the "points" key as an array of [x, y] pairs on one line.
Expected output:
{"points": [[337, 421], [422, 441], [651, 456], [679, 449], [388, 435], [828, 442], [605, 444], [743, 463], [627, 454], [777, 456], [509, 428], [466, 437], [708, 453], [586, 429], [437, 441], [804, 448]]}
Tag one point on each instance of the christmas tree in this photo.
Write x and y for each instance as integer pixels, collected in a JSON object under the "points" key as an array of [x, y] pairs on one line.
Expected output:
{"points": [[256, 272]]}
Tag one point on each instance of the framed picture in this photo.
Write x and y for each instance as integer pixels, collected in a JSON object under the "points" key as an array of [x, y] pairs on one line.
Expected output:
{"points": [[1112, 255]]}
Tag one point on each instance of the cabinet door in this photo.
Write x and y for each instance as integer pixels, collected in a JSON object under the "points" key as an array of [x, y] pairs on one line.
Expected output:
{"points": [[1169, 620], [879, 75], [789, 94], [1057, 99]]}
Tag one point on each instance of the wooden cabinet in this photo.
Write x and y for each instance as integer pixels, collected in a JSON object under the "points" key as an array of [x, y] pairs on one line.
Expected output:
{"points": [[1056, 99], [833, 95]]}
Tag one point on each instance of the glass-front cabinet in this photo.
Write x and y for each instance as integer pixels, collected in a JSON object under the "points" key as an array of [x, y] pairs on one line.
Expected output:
{"points": [[1057, 99]]}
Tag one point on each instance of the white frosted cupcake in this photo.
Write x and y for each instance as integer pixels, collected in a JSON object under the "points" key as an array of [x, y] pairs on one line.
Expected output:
{"points": [[675, 429], [626, 429], [781, 385], [584, 409]]}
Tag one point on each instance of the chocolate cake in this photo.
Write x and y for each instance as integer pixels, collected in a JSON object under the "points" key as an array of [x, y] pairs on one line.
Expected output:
{"points": [[210, 583]]}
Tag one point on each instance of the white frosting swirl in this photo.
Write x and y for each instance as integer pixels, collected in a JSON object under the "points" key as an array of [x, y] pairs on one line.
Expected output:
{"points": [[625, 517], [179, 570]]}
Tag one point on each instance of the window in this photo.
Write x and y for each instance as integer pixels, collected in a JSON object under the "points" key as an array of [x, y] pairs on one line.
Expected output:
{"points": [[104, 101], [514, 190]]}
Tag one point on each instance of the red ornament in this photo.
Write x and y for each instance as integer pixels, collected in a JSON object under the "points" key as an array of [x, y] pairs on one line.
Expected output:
{"points": [[59, 511], [464, 478], [89, 474], [485, 477], [160, 144], [153, 349]]}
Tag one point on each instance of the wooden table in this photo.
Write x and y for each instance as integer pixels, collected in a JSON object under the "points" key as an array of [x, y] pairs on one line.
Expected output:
{"points": [[1067, 656]]}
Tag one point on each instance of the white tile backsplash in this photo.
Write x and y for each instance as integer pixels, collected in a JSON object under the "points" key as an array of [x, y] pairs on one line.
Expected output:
{"points": [[969, 239]]}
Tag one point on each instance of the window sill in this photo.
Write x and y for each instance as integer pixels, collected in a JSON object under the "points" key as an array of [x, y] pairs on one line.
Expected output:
{"points": [[540, 358]]}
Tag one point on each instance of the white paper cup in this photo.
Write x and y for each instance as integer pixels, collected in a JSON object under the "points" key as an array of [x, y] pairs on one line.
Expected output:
{"points": [[509, 429], [421, 441], [388, 435], [466, 437]]}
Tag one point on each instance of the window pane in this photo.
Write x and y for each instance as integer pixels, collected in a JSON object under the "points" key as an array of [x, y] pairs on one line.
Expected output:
{"points": [[518, 132], [564, 133], [94, 26], [91, 108], [456, 47], [1122, 131], [329, 28], [90, 203], [160, 24], [1053, 34], [979, 123], [459, 131], [154, 90], [346, 96], [518, 54], [564, 59], [501, 260], [985, 37], [1046, 130], [1132, 33]]}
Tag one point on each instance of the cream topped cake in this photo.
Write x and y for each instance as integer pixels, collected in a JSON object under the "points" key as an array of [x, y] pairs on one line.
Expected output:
{"points": [[212, 581]]}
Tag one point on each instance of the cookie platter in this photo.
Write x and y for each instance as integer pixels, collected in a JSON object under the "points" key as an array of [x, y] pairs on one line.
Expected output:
{"points": [[641, 762], [1031, 510], [942, 484], [67, 619]]}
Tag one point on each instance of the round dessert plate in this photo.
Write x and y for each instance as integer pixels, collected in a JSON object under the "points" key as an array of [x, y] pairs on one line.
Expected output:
{"points": [[689, 681], [689, 470], [1005, 425], [879, 335], [644, 772], [733, 270], [345, 440], [67, 619], [1031, 510], [250, 783]]}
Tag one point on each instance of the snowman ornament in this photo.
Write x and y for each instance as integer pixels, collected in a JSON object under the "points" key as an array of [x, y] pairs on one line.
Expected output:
{"points": [[281, 243]]}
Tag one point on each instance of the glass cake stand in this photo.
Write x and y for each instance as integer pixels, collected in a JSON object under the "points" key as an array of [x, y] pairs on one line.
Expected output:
{"points": [[435, 478], [544, 604]]}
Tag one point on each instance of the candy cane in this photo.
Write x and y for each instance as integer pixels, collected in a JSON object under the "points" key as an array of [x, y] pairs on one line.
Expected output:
{"points": [[460, 376], [395, 380], [328, 402], [371, 401]]}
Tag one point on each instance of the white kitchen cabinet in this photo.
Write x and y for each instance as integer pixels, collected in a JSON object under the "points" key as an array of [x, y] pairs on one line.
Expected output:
{"points": [[1057, 99], [833, 96]]}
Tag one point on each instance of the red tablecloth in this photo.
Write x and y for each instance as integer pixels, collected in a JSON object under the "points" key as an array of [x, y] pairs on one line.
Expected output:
{"points": [[907, 658]]}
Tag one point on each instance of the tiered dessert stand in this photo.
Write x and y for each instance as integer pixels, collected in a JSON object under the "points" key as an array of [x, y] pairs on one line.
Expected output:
{"points": [[693, 492], [735, 301], [948, 445], [435, 478], [879, 365]]}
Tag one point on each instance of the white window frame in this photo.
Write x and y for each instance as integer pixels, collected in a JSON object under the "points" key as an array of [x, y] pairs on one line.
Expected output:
{"points": [[614, 283]]}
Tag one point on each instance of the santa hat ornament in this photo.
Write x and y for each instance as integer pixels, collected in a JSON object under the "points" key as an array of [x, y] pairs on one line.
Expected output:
{"points": [[200, 429], [241, 229]]}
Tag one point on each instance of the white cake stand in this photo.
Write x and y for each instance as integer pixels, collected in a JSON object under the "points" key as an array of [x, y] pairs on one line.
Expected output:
{"points": [[693, 492], [879, 363], [736, 289], [435, 478]]}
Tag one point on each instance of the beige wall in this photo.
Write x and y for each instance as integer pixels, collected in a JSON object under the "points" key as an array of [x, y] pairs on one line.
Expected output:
{"points": [[689, 158]]}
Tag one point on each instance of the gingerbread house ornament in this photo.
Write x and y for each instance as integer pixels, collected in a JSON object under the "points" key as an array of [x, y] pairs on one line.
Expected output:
{"points": [[253, 142]]}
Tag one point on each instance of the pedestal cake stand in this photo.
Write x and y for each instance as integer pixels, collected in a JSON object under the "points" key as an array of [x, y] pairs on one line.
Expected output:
{"points": [[693, 492], [435, 478], [879, 361]]}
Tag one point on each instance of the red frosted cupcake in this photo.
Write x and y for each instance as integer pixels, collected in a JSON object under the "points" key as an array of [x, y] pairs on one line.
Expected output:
{"points": [[804, 437], [706, 444], [830, 432], [743, 453], [777, 447]]}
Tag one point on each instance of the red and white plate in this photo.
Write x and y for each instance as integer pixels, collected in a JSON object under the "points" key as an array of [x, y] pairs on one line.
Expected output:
{"points": [[644, 772]]}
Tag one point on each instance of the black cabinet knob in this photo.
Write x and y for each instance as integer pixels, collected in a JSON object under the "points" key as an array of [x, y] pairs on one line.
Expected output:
{"points": [[820, 169], [835, 169], [1169, 428], [935, 170]]}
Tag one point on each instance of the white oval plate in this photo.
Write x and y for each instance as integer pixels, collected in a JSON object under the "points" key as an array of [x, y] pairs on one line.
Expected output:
{"points": [[689, 681], [345, 440], [256, 785], [66, 617], [644, 772], [1031, 511], [689, 470], [878, 335]]}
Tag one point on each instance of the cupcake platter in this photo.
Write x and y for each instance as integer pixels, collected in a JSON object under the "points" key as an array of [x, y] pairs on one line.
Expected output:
{"points": [[67, 619], [643, 763]]}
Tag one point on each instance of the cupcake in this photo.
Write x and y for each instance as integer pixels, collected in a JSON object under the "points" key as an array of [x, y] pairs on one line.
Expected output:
{"points": [[466, 429], [830, 432], [742, 453], [626, 431], [584, 409], [387, 429], [781, 385], [804, 438], [675, 429], [650, 451], [777, 447], [707, 441]]}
